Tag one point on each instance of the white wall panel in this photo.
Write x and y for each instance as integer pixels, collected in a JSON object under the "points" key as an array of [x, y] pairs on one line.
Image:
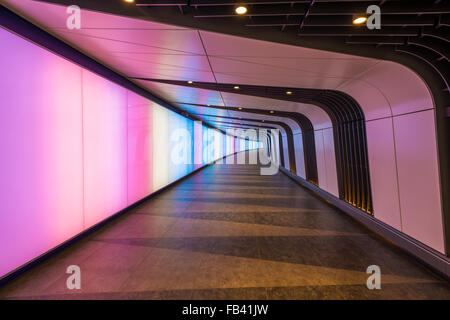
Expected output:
{"points": [[383, 171], [299, 155], [285, 152], [320, 159], [418, 174], [330, 162]]}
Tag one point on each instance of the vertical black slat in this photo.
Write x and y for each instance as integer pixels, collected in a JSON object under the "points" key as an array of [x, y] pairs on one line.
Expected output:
{"points": [[352, 162], [365, 160], [364, 165], [347, 159], [309, 146], [356, 164], [346, 115], [361, 159], [291, 150], [359, 166], [352, 149], [347, 153], [339, 112], [280, 142], [360, 147], [339, 161], [364, 194]]}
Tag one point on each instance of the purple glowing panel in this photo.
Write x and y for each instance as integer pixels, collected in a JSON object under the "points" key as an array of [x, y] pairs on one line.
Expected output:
{"points": [[41, 170]]}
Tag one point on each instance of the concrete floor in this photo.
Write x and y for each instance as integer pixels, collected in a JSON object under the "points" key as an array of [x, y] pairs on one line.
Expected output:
{"points": [[229, 233]]}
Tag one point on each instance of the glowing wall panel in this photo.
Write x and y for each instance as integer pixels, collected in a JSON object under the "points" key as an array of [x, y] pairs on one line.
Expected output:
{"points": [[299, 157], [77, 148], [160, 147], [179, 146], [198, 144], [140, 147], [105, 148], [41, 188]]}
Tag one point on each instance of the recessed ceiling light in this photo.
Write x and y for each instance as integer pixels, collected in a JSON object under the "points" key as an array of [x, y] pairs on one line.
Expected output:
{"points": [[190, 82], [240, 108], [288, 92], [359, 20], [241, 10], [236, 87], [262, 120], [271, 111], [129, 1]]}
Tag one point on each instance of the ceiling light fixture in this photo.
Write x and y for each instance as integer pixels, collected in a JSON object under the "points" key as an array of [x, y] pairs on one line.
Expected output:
{"points": [[129, 1], [240, 108], [241, 10], [288, 92], [190, 82], [271, 111], [359, 20], [236, 87]]}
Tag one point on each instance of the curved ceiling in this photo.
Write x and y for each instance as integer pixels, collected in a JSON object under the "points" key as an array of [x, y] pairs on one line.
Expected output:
{"points": [[145, 49]]}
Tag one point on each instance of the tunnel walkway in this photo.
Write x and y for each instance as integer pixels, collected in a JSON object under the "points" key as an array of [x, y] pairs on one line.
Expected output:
{"points": [[229, 233]]}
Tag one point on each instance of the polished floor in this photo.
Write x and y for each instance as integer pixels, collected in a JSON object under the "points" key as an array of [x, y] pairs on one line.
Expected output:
{"points": [[229, 233]]}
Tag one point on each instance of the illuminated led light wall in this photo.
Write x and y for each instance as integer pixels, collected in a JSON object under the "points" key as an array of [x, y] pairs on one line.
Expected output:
{"points": [[41, 189], [77, 148]]}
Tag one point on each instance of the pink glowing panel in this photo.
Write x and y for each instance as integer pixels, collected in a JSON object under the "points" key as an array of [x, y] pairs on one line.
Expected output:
{"points": [[418, 178], [105, 148], [140, 125], [383, 172], [41, 188]]}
